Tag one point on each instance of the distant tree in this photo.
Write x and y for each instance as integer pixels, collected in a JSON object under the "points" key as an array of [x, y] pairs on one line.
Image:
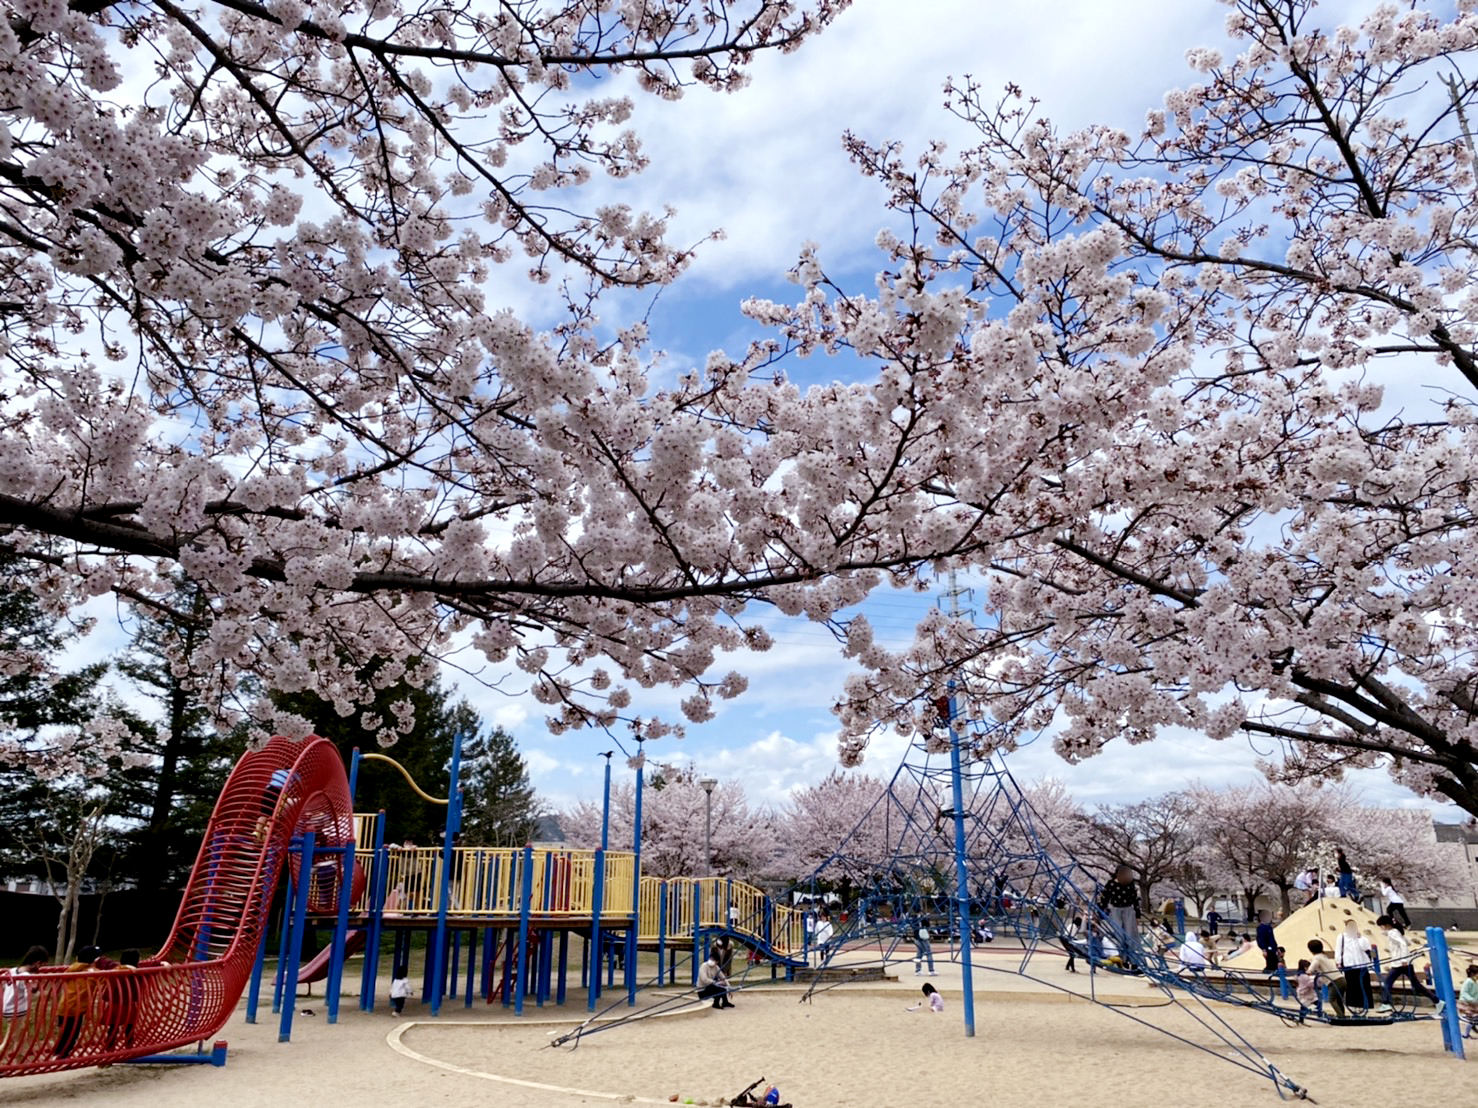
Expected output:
{"points": [[1058, 818], [840, 824], [499, 804], [1399, 843], [172, 795], [1152, 837], [744, 841], [426, 755], [58, 737], [1265, 834]]}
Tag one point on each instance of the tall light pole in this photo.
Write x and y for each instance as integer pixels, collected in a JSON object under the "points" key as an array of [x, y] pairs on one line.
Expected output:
{"points": [[605, 807], [708, 784]]}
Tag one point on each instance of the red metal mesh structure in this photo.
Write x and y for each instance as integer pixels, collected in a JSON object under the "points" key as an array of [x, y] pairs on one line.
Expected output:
{"points": [[187, 991]]}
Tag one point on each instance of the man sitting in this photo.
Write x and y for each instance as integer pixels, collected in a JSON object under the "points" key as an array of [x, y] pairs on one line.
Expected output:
{"points": [[712, 982]]}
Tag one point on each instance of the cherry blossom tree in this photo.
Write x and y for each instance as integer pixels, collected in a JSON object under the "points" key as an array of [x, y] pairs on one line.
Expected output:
{"points": [[1155, 365], [674, 809], [1400, 844], [250, 263], [1152, 837], [844, 824], [1266, 834]]}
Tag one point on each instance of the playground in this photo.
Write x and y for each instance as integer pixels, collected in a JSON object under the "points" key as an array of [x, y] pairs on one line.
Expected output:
{"points": [[851, 1046], [561, 976]]}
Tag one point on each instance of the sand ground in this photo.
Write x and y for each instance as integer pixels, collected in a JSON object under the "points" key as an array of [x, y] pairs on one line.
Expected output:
{"points": [[852, 1045]]}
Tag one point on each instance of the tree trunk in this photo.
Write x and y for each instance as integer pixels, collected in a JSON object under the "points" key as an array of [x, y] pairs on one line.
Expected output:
{"points": [[1282, 887]]}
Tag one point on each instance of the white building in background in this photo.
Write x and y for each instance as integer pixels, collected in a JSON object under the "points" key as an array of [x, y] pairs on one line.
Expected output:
{"points": [[1461, 839]]}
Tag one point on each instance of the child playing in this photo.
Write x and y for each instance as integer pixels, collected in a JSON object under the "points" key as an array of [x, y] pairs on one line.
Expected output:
{"points": [[400, 988], [931, 998], [1467, 1002], [1306, 986]]}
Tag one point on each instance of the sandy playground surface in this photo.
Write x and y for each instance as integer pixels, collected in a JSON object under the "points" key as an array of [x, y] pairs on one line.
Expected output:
{"points": [[853, 1045]]}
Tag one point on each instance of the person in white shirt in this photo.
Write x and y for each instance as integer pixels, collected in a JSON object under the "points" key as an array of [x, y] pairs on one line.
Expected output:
{"points": [[400, 988], [1395, 902], [712, 983], [1352, 955], [1331, 888], [1400, 962], [1194, 957]]}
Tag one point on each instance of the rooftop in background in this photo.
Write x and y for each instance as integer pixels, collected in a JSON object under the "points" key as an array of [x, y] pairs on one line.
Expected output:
{"points": [[1456, 832]]}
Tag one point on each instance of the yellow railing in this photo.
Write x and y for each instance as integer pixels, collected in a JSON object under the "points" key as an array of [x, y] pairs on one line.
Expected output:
{"points": [[487, 882], [364, 829], [718, 902]]}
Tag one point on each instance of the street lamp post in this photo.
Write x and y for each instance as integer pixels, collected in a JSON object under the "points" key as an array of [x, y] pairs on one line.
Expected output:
{"points": [[605, 807], [708, 784]]}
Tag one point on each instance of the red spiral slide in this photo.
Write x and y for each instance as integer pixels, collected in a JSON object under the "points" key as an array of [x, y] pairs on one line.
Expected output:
{"points": [[187, 992]]}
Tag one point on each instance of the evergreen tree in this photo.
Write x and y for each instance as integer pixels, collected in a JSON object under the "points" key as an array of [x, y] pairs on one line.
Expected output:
{"points": [[425, 753], [172, 796], [55, 823], [499, 805]]}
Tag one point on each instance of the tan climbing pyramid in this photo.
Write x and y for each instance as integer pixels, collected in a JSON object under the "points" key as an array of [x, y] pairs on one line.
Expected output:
{"points": [[1323, 919]]}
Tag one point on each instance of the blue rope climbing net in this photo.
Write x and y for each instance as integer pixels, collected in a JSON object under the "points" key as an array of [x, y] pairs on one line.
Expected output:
{"points": [[1022, 884]]}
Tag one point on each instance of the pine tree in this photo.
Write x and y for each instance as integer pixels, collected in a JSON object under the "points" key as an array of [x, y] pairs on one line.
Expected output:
{"points": [[53, 825], [172, 797], [499, 805], [425, 753]]}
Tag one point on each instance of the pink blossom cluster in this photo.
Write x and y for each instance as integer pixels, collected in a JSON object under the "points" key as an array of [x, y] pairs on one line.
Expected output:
{"points": [[1161, 429], [247, 337]]}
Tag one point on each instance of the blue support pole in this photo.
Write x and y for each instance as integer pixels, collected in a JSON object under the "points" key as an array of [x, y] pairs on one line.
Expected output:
{"points": [[489, 957], [597, 898], [448, 856], [564, 965], [1452, 1026], [526, 894], [697, 958], [635, 883], [287, 912], [379, 874], [661, 932], [253, 994], [353, 773], [605, 805], [295, 947], [341, 932], [471, 967], [962, 875]]}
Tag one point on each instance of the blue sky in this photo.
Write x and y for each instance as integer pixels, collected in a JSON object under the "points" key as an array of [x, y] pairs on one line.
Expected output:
{"points": [[767, 166]]}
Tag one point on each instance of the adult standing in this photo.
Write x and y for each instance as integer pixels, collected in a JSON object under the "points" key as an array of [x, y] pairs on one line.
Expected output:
{"points": [[923, 948], [1267, 942], [1213, 922], [1352, 956], [1346, 876], [1119, 899], [1395, 902], [1399, 951]]}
